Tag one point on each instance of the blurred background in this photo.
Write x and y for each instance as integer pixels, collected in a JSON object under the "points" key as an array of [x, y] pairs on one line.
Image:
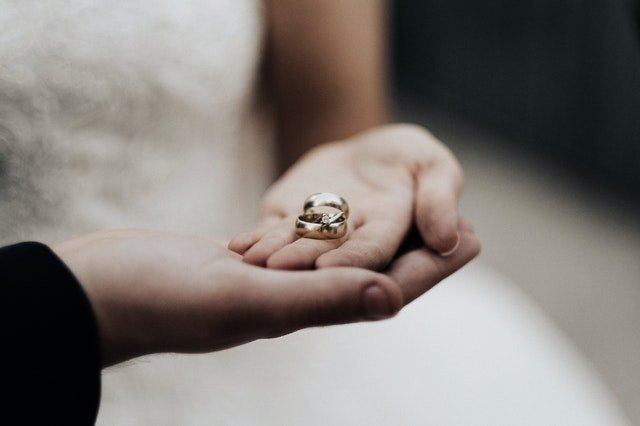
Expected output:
{"points": [[540, 100]]}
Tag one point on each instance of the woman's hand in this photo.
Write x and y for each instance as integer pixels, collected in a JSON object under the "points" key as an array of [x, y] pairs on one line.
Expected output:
{"points": [[160, 292], [392, 177]]}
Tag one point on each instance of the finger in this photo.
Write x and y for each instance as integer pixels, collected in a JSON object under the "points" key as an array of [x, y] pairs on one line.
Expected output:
{"points": [[245, 240], [296, 300], [437, 205], [301, 254], [371, 246], [421, 269], [270, 242]]}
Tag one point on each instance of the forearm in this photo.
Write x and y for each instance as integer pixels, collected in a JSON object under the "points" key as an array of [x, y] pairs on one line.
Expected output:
{"points": [[326, 71], [299, 130]]}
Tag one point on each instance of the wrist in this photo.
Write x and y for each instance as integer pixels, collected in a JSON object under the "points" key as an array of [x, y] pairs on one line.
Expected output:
{"points": [[115, 329]]}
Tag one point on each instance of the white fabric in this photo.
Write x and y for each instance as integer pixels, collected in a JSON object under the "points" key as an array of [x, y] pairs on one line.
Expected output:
{"points": [[472, 351], [128, 113]]}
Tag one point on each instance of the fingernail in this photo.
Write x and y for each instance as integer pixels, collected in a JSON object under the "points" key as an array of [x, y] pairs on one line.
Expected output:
{"points": [[376, 303], [453, 250]]}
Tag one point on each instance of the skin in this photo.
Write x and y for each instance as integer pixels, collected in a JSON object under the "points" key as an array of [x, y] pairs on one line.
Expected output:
{"points": [[154, 292], [393, 176], [320, 89], [159, 292]]}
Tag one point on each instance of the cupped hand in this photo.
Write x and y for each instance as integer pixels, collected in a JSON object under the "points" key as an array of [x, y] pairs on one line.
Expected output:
{"points": [[392, 177], [159, 292]]}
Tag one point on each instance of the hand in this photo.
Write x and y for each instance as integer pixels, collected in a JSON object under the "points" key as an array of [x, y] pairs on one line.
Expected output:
{"points": [[159, 292], [391, 177]]}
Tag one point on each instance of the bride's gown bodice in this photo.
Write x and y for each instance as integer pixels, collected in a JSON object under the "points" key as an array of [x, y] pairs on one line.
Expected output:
{"points": [[129, 114], [144, 113]]}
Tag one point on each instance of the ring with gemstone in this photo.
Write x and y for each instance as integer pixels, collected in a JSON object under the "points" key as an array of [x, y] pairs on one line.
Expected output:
{"points": [[318, 221]]}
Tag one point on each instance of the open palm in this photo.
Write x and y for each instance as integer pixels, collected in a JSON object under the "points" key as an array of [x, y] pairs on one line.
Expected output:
{"points": [[155, 291], [392, 177]]}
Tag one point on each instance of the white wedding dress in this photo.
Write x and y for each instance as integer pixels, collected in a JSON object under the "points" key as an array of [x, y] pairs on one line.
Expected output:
{"points": [[141, 113]]}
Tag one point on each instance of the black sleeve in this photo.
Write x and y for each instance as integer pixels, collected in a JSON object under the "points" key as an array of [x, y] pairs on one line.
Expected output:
{"points": [[49, 340]]}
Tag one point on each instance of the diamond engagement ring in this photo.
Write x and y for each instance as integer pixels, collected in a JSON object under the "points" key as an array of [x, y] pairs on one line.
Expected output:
{"points": [[318, 221]]}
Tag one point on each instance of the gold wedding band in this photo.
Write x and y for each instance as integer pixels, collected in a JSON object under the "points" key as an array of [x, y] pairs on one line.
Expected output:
{"points": [[326, 199], [323, 225]]}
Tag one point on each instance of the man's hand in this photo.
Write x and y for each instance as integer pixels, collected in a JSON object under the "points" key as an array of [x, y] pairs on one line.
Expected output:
{"points": [[392, 177], [159, 292]]}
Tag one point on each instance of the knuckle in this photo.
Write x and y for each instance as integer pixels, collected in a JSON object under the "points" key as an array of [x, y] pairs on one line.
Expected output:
{"points": [[307, 249], [274, 239], [367, 255], [242, 239], [374, 255]]}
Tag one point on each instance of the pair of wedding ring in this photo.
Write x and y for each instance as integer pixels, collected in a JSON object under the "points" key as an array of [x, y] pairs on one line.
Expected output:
{"points": [[324, 217]]}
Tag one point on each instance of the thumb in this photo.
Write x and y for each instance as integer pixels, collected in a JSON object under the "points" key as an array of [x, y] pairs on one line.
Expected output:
{"points": [[328, 296], [437, 206], [419, 270]]}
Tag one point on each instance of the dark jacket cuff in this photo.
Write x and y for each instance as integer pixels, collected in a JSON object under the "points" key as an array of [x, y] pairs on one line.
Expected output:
{"points": [[50, 337]]}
